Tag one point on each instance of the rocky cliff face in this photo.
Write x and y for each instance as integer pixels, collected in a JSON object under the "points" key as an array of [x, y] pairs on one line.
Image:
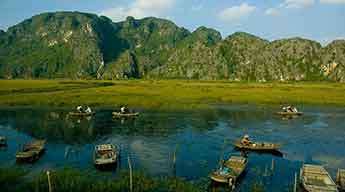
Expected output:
{"points": [[333, 61], [55, 45], [81, 45]]}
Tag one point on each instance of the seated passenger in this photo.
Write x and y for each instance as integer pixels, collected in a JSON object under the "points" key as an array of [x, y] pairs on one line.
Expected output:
{"points": [[245, 140], [88, 110], [80, 109], [123, 109]]}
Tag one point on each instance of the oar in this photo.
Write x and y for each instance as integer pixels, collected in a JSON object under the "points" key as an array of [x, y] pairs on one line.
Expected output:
{"points": [[174, 159]]}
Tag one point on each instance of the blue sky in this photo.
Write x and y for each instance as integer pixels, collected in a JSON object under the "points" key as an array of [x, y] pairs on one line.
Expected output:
{"points": [[321, 20]]}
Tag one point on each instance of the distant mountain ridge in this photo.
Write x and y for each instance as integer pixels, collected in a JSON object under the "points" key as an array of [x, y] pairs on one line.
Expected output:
{"points": [[86, 46]]}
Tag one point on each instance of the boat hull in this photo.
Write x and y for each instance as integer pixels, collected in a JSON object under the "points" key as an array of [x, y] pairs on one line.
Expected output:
{"points": [[290, 113], [340, 180], [31, 152], [118, 114], [219, 179], [28, 158], [77, 114], [106, 166], [258, 146], [105, 157], [237, 165], [315, 178]]}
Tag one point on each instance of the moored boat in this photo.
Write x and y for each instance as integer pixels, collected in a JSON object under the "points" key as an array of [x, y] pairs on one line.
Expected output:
{"points": [[31, 151], [230, 171], [257, 146], [315, 178], [105, 155], [119, 114], [3, 141], [341, 179]]}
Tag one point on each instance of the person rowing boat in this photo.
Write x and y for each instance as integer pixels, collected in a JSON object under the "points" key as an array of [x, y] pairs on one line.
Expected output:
{"points": [[80, 109], [290, 109], [88, 110], [124, 110], [245, 140]]}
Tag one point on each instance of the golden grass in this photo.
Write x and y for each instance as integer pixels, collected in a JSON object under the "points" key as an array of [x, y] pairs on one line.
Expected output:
{"points": [[165, 94]]}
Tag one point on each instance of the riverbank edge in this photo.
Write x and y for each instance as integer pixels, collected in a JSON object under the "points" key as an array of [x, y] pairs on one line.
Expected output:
{"points": [[17, 179]]}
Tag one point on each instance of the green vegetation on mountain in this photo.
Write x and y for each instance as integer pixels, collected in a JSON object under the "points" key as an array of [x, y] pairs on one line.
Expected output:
{"points": [[85, 46]]}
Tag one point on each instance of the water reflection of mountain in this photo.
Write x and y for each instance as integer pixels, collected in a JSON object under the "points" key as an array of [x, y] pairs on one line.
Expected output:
{"points": [[52, 125], [57, 126]]}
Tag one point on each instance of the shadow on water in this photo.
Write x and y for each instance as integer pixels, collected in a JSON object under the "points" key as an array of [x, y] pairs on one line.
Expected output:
{"points": [[194, 140]]}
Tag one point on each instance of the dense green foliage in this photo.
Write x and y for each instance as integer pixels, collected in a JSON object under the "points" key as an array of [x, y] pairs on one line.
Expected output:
{"points": [[68, 179], [80, 45]]}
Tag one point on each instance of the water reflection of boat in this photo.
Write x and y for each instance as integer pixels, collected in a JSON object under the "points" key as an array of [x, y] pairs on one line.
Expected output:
{"points": [[3, 141], [230, 172], [105, 155], [315, 178], [31, 151], [262, 147], [119, 114], [341, 179]]}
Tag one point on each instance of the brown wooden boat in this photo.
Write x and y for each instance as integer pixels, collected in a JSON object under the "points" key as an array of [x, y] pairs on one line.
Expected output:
{"points": [[31, 151], [341, 179], [258, 146], [230, 172], [105, 155], [315, 178]]}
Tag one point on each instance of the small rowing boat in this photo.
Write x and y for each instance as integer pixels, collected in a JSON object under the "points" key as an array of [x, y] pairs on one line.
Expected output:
{"points": [[257, 146], [31, 151], [283, 113], [119, 114], [230, 172], [78, 114], [315, 178], [105, 155]]}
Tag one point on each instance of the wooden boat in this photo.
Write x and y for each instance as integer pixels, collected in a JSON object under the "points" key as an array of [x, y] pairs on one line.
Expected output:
{"points": [[119, 114], [257, 146], [230, 172], [105, 155], [315, 178], [283, 113], [3, 141], [341, 179], [31, 151], [78, 114]]}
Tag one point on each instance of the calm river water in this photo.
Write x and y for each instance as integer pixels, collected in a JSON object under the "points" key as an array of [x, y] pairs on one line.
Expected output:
{"points": [[199, 137]]}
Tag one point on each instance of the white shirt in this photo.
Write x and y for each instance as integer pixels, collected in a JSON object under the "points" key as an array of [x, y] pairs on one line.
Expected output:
{"points": [[88, 110]]}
